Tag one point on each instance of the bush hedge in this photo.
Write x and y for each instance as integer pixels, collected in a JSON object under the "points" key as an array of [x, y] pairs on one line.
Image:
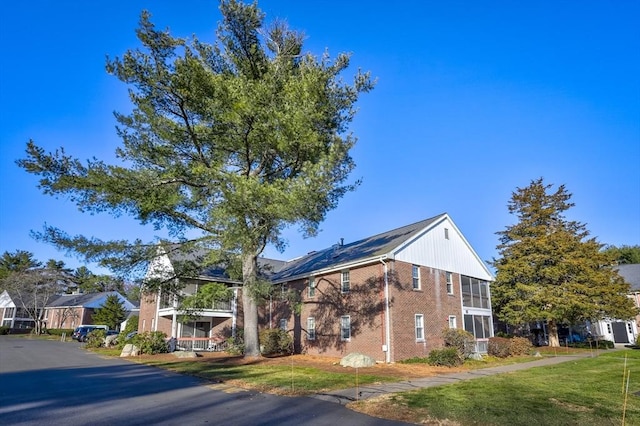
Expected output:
{"points": [[151, 342], [499, 347], [460, 339], [95, 339], [446, 357], [275, 341], [520, 346], [4, 329]]}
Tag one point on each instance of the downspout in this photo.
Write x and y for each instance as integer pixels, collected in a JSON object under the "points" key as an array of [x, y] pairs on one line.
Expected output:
{"points": [[234, 312], [158, 301], [387, 315]]}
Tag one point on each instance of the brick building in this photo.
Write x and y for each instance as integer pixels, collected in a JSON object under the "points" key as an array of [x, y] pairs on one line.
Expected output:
{"points": [[389, 296]]}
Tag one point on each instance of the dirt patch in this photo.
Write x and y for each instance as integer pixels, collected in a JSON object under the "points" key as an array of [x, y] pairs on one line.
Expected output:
{"points": [[330, 364], [386, 407]]}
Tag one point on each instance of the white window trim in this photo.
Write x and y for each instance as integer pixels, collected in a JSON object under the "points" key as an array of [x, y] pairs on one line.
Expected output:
{"points": [[311, 328], [348, 318], [415, 268], [449, 280], [421, 328], [453, 321], [283, 324], [311, 291], [342, 281]]}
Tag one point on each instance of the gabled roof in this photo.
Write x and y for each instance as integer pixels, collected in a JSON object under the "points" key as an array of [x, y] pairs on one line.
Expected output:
{"points": [[631, 274], [218, 272], [343, 254], [89, 300]]}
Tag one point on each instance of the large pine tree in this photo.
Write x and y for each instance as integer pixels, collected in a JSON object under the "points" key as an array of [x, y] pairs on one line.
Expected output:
{"points": [[226, 146], [550, 269]]}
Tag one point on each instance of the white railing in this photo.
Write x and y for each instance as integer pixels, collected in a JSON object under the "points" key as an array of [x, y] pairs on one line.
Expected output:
{"points": [[211, 344]]}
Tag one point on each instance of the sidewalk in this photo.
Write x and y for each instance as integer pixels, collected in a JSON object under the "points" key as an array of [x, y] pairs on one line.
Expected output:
{"points": [[344, 396]]}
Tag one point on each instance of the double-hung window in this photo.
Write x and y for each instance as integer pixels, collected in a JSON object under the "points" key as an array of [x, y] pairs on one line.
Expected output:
{"points": [[345, 284], [416, 277], [312, 287], [419, 327], [311, 328], [453, 322], [449, 283], [283, 324], [345, 327]]}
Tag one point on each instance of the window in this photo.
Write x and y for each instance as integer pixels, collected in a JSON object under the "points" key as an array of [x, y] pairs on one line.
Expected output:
{"points": [[9, 312], [478, 325], [416, 277], [449, 283], [311, 328], [312, 287], [345, 284], [475, 293], [453, 322], [446, 233], [345, 327], [283, 324], [144, 324], [419, 328], [153, 324]]}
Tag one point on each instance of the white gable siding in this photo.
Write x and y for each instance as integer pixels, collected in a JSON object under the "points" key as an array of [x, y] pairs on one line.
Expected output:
{"points": [[5, 301], [432, 249], [159, 267]]}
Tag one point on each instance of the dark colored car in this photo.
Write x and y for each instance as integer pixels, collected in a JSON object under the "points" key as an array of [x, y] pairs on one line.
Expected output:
{"points": [[80, 333]]}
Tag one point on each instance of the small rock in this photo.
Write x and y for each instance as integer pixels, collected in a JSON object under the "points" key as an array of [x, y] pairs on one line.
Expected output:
{"points": [[185, 354]]}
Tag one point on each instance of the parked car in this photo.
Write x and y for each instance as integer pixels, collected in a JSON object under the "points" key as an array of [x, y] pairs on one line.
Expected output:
{"points": [[81, 332]]}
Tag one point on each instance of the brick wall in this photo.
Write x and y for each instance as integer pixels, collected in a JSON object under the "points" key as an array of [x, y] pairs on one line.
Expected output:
{"points": [[431, 301], [364, 304]]}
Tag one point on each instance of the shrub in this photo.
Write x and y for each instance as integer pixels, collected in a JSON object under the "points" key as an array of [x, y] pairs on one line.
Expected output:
{"points": [[151, 342], [275, 341], [460, 339], [95, 339], [638, 340], [595, 344], [447, 357], [499, 346], [4, 329], [519, 346], [132, 325]]}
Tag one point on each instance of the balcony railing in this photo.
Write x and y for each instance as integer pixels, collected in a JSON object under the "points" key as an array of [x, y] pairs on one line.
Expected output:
{"points": [[216, 306], [211, 344]]}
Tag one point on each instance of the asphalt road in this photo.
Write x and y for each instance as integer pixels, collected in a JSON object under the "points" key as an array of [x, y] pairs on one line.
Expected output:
{"points": [[55, 383]]}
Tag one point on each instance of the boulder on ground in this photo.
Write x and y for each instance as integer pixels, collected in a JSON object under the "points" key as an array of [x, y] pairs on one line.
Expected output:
{"points": [[130, 350], [110, 340], [357, 360]]}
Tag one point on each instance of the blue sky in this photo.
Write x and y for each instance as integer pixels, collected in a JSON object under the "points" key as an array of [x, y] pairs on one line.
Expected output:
{"points": [[473, 100]]}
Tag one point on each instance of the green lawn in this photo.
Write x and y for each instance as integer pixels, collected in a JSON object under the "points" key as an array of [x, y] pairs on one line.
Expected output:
{"points": [[582, 392], [282, 379]]}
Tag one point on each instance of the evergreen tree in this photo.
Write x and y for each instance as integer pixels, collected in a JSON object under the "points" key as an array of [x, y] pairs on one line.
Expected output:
{"points": [[625, 254], [111, 313], [235, 141], [550, 270]]}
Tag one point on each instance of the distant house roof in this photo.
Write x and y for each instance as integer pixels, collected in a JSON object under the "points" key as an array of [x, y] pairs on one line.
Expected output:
{"points": [[88, 300], [377, 245], [631, 274]]}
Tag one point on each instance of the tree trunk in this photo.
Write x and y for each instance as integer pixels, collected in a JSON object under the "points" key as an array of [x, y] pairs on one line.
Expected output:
{"points": [[552, 330], [250, 306]]}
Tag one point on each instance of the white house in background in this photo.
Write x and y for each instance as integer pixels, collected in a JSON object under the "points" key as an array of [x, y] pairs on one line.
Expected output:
{"points": [[12, 313], [616, 330]]}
